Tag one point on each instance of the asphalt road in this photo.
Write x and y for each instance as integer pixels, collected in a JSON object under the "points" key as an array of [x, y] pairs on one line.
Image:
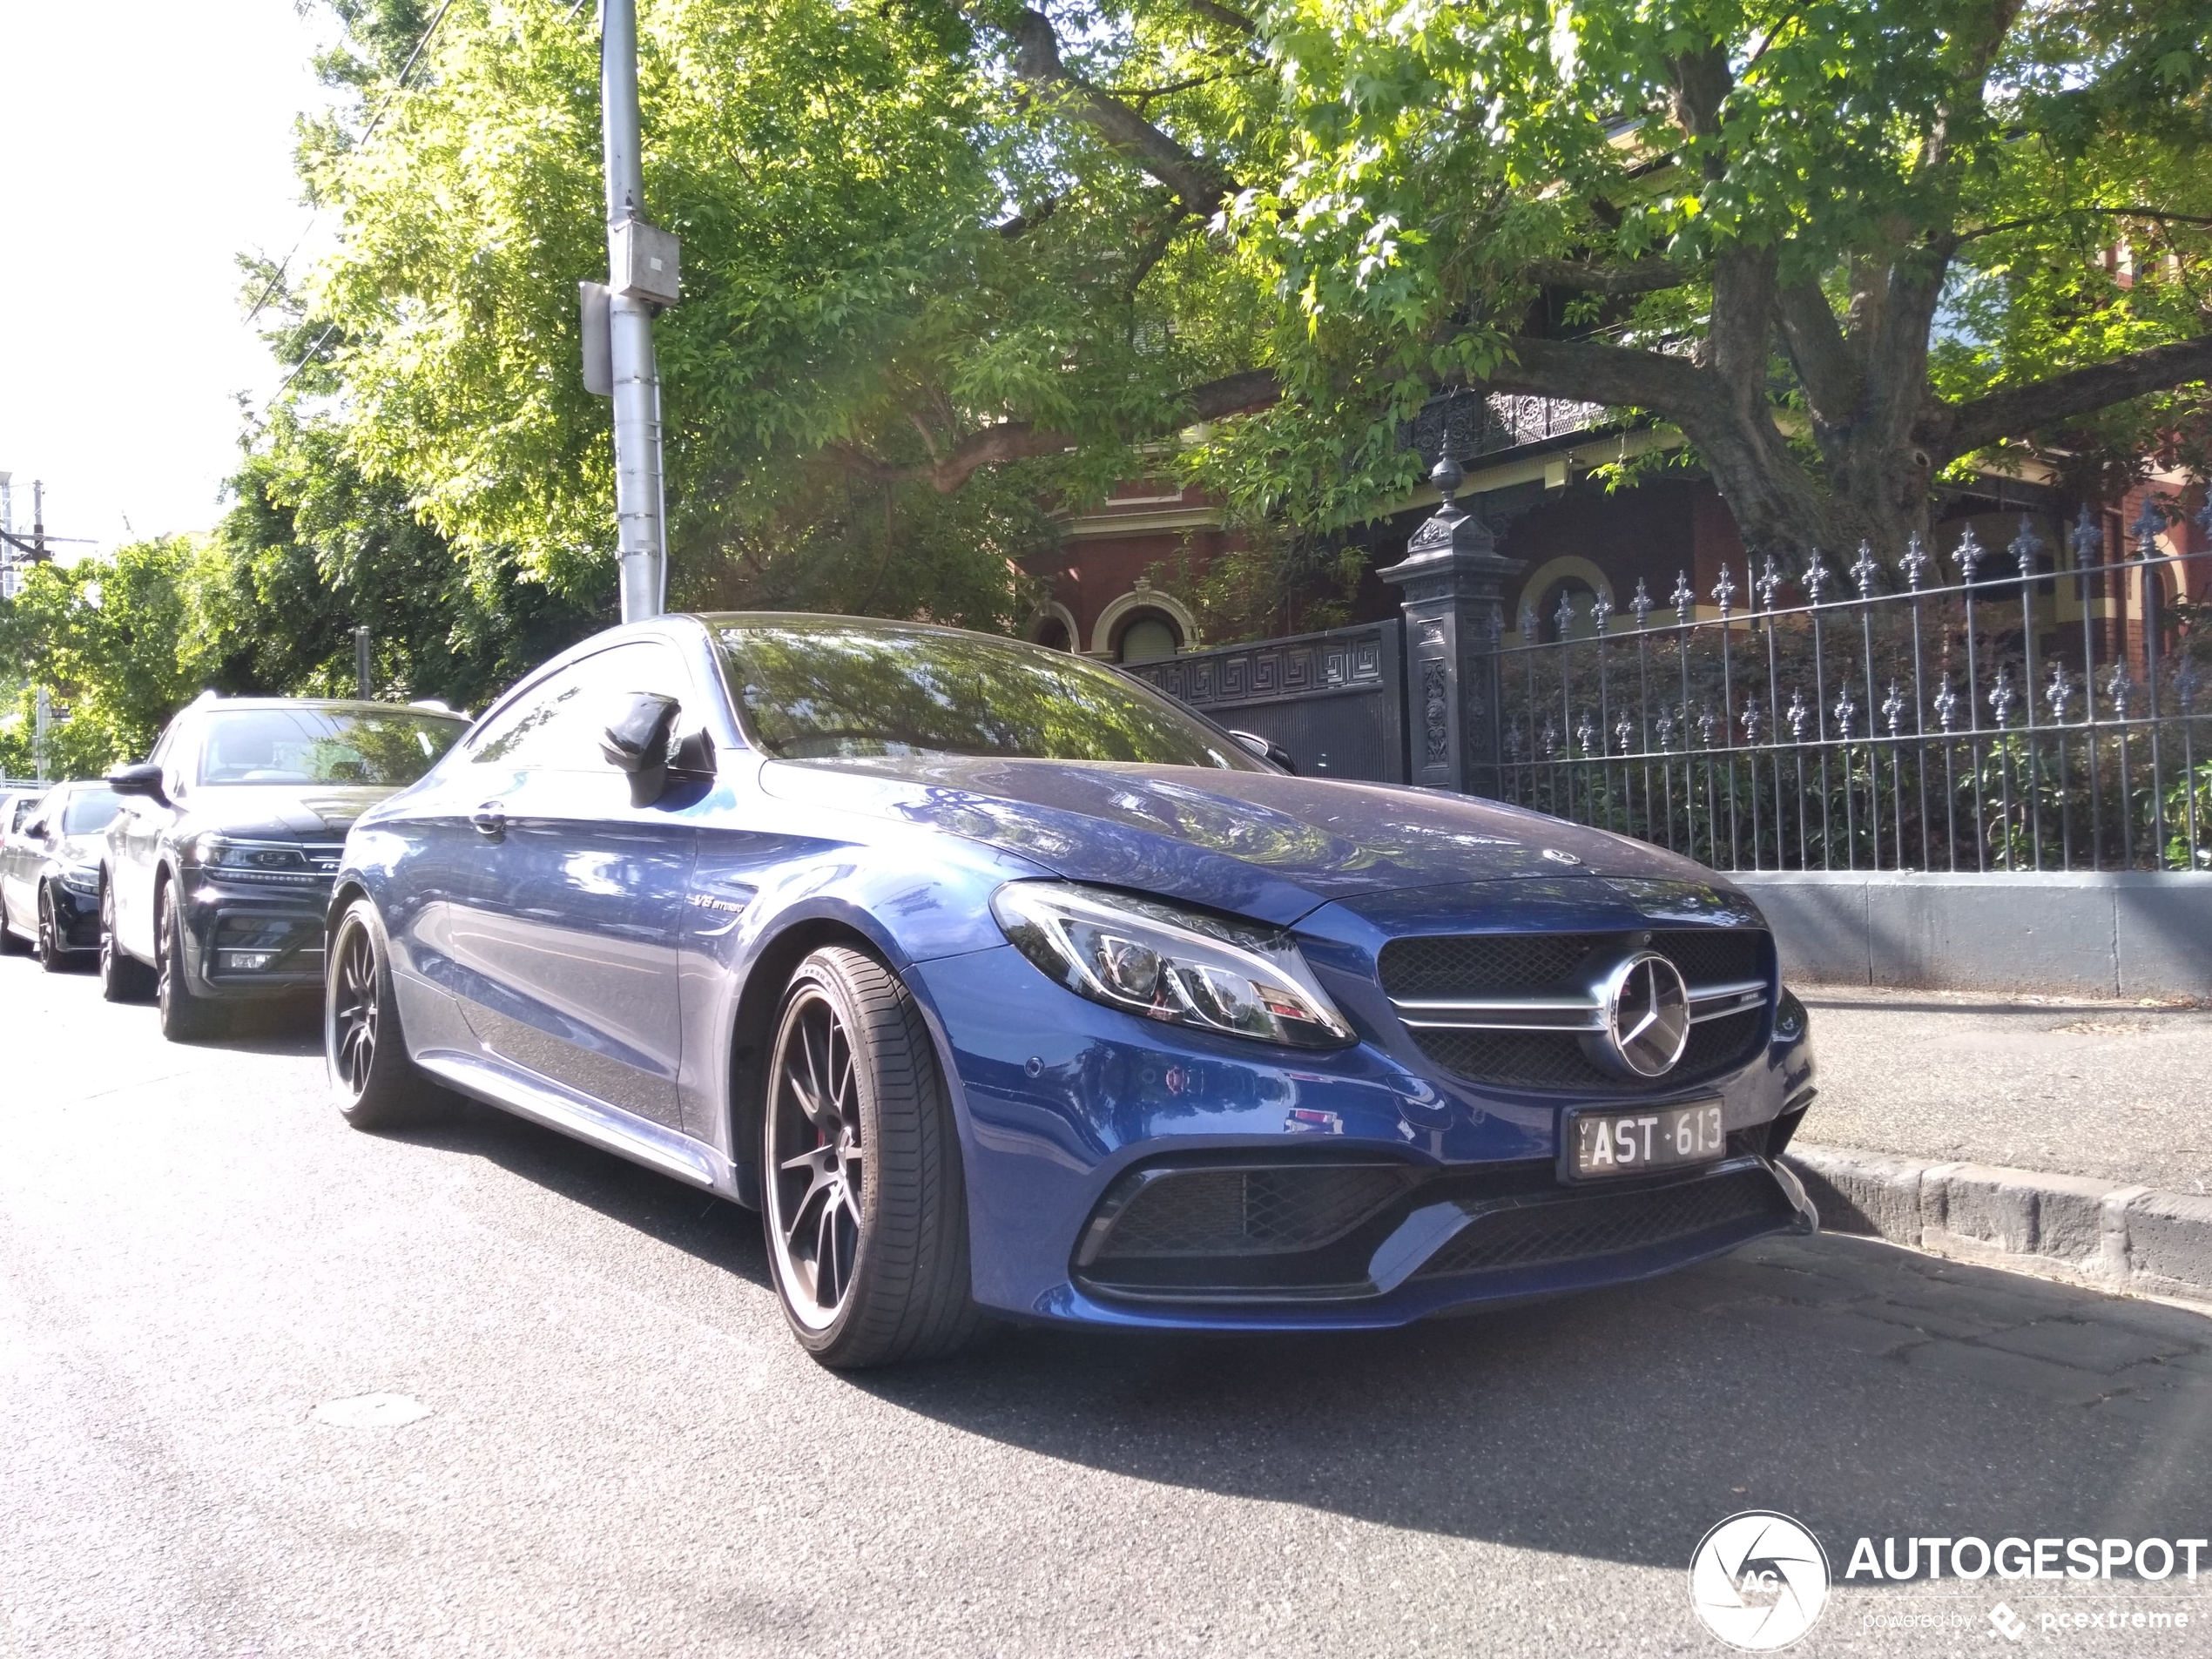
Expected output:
{"points": [[620, 1451]]}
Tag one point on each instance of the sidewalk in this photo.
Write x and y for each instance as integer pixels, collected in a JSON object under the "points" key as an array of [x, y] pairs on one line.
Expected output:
{"points": [[2061, 1135]]}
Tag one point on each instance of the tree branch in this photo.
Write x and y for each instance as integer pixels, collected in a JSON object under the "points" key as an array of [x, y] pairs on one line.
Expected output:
{"points": [[1214, 12], [1198, 184], [1967, 427], [1644, 276], [1020, 441], [1817, 351], [2107, 213], [1616, 376]]}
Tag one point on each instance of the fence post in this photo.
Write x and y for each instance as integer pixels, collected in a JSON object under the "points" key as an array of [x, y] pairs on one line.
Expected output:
{"points": [[1452, 589]]}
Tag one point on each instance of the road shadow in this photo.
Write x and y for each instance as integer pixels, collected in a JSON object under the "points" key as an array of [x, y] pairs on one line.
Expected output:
{"points": [[719, 1233], [1621, 1424]]}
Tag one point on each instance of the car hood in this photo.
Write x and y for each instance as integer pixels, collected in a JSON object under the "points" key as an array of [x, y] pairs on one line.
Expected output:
{"points": [[281, 811], [74, 852], [1263, 844]]}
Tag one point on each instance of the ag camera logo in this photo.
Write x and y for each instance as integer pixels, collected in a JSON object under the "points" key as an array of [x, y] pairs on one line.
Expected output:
{"points": [[1758, 1581]]}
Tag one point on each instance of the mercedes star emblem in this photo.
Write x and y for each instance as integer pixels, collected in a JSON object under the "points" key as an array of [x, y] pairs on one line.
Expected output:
{"points": [[1646, 1009]]}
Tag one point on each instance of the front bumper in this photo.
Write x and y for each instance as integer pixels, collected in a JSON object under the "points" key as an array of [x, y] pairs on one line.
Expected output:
{"points": [[1068, 1109], [76, 910], [244, 943]]}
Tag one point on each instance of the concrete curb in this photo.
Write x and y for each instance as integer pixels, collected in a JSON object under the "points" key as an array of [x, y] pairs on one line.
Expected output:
{"points": [[2110, 1238]]}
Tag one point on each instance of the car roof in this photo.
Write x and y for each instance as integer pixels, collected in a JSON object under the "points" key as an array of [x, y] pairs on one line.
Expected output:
{"points": [[333, 704]]}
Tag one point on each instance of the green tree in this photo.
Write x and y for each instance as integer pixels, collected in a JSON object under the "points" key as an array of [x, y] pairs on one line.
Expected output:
{"points": [[121, 643], [943, 263]]}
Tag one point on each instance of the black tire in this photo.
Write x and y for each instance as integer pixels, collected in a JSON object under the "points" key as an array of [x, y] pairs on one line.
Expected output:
{"points": [[51, 956], [880, 1275], [123, 977], [373, 1082], [10, 945], [184, 1017]]}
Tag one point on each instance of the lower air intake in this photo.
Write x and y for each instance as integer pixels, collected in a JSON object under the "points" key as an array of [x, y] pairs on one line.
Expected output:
{"points": [[1608, 1223]]}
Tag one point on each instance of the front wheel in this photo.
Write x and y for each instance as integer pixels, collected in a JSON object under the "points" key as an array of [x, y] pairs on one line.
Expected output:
{"points": [[374, 1084], [51, 956], [185, 1017], [865, 1213], [123, 977]]}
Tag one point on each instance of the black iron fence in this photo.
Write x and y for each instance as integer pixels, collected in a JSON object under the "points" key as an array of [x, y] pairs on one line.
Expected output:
{"points": [[2029, 714]]}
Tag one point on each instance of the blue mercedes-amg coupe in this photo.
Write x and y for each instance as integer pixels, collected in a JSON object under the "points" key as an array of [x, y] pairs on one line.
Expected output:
{"points": [[1004, 986]]}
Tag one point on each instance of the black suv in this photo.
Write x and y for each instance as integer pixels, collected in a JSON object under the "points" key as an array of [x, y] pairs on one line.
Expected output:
{"points": [[216, 870]]}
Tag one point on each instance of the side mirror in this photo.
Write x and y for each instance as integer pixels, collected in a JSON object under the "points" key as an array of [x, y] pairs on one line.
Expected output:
{"points": [[636, 741], [145, 779], [1274, 753]]}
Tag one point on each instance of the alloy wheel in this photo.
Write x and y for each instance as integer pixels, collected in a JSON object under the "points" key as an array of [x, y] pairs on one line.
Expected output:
{"points": [[48, 940], [352, 1036], [816, 1185]]}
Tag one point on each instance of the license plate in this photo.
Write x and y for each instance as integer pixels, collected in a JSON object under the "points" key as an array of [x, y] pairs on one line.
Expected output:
{"points": [[1599, 1145]]}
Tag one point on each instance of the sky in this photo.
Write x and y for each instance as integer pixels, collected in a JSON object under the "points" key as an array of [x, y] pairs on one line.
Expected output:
{"points": [[144, 144]]}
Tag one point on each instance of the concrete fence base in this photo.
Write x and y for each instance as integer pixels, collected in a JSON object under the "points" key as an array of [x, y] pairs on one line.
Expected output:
{"points": [[2092, 1233], [2135, 933]]}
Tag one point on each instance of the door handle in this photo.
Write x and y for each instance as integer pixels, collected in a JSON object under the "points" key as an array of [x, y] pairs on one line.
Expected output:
{"points": [[490, 820]]}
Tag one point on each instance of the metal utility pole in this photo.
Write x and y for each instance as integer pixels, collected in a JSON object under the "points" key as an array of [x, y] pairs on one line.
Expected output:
{"points": [[642, 266], [44, 720], [361, 664], [38, 519]]}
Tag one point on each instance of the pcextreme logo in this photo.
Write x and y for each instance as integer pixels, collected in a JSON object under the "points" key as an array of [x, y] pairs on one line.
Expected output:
{"points": [[1758, 1581]]}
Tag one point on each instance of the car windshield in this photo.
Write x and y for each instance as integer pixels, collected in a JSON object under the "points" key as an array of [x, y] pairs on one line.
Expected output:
{"points": [[821, 690], [88, 814], [315, 745]]}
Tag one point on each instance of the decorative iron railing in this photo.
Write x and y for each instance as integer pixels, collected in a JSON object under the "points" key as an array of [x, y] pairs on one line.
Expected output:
{"points": [[2024, 717]]}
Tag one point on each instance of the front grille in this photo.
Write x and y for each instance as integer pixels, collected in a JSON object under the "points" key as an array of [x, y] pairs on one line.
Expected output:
{"points": [[1610, 1223], [1248, 1212], [1545, 1060], [1473, 967], [1474, 964]]}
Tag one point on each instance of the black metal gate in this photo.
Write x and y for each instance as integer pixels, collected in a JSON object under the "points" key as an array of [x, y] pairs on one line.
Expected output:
{"points": [[1336, 700]]}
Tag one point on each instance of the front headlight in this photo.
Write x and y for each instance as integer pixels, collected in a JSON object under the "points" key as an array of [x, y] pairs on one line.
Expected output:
{"points": [[1237, 979], [82, 879], [213, 852]]}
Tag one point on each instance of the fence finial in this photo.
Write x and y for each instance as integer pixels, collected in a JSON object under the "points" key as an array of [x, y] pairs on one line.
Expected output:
{"points": [[1682, 597], [2146, 528], [1641, 602], [1817, 575], [1893, 708], [1624, 729], [1946, 703], [2087, 539], [1725, 591], [2000, 695], [1769, 583], [1707, 721], [1600, 608], [2118, 688], [1564, 616], [1664, 725], [1750, 718], [1798, 715], [1586, 733], [1969, 554], [1497, 626], [1915, 559], [1865, 571], [2060, 692], [1551, 739], [2025, 547], [1845, 711]]}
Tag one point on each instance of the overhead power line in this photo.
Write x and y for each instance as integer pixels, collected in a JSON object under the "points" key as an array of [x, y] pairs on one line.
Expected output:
{"points": [[368, 131]]}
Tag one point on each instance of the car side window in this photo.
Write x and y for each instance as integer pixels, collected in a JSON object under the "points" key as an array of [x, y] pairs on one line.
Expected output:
{"points": [[556, 726]]}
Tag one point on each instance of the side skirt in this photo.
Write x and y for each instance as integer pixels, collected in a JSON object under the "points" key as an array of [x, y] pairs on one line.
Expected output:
{"points": [[556, 1107]]}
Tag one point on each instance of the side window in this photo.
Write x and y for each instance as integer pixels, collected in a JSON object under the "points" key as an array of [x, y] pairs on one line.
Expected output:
{"points": [[556, 726]]}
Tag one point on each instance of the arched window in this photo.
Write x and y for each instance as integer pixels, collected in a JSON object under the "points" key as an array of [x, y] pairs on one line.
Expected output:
{"points": [[1146, 637]]}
